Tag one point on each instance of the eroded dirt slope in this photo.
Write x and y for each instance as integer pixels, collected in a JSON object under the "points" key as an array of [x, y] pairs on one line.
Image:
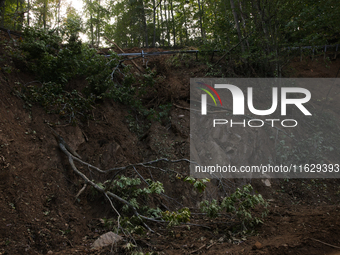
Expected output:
{"points": [[39, 213]]}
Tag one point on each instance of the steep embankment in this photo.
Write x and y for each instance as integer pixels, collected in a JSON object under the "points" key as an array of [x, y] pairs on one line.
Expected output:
{"points": [[38, 209]]}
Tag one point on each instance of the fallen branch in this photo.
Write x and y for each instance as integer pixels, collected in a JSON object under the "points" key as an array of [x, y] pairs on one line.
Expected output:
{"points": [[87, 180], [200, 248], [119, 226], [72, 155], [181, 107], [208, 247], [133, 62], [330, 245], [81, 191], [146, 165]]}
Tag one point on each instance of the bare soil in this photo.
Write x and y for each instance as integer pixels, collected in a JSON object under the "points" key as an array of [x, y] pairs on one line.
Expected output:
{"points": [[40, 215]]}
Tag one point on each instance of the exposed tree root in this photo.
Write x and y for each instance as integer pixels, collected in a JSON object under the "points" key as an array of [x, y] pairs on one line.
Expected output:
{"points": [[72, 155]]}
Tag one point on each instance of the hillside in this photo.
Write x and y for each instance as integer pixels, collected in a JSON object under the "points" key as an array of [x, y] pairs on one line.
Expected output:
{"points": [[41, 213]]}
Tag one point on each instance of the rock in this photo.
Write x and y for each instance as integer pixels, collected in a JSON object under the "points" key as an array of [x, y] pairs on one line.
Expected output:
{"points": [[106, 239], [267, 182], [257, 246]]}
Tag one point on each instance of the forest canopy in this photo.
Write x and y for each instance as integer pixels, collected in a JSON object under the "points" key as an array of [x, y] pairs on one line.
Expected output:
{"points": [[259, 24]]}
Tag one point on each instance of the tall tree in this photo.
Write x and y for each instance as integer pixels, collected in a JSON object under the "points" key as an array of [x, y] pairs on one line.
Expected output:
{"points": [[2, 12], [28, 12], [162, 24], [237, 23], [146, 35], [97, 19], [167, 23], [200, 11], [173, 23], [154, 21]]}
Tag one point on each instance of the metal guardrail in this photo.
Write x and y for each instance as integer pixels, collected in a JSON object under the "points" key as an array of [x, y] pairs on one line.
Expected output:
{"points": [[162, 52], [314, 47], [156, 53]]}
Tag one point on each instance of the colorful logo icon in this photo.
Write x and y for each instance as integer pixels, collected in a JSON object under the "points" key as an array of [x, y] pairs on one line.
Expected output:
{"points": [[209, 93]]}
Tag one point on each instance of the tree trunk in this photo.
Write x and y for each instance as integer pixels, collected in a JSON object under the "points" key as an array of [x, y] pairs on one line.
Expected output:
{"points": [[169, 19], [44, 14], [91, 28], [98, 26], [2, 12], [173, 23], [22, 14], [145, 25], [154, 24], [200, 10], [167, 24], [58, 17], [162, 25], [185, 25], [264, 25], [17, 16], [243, 17], [227, 20], [28, 12], [237, 24]]}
